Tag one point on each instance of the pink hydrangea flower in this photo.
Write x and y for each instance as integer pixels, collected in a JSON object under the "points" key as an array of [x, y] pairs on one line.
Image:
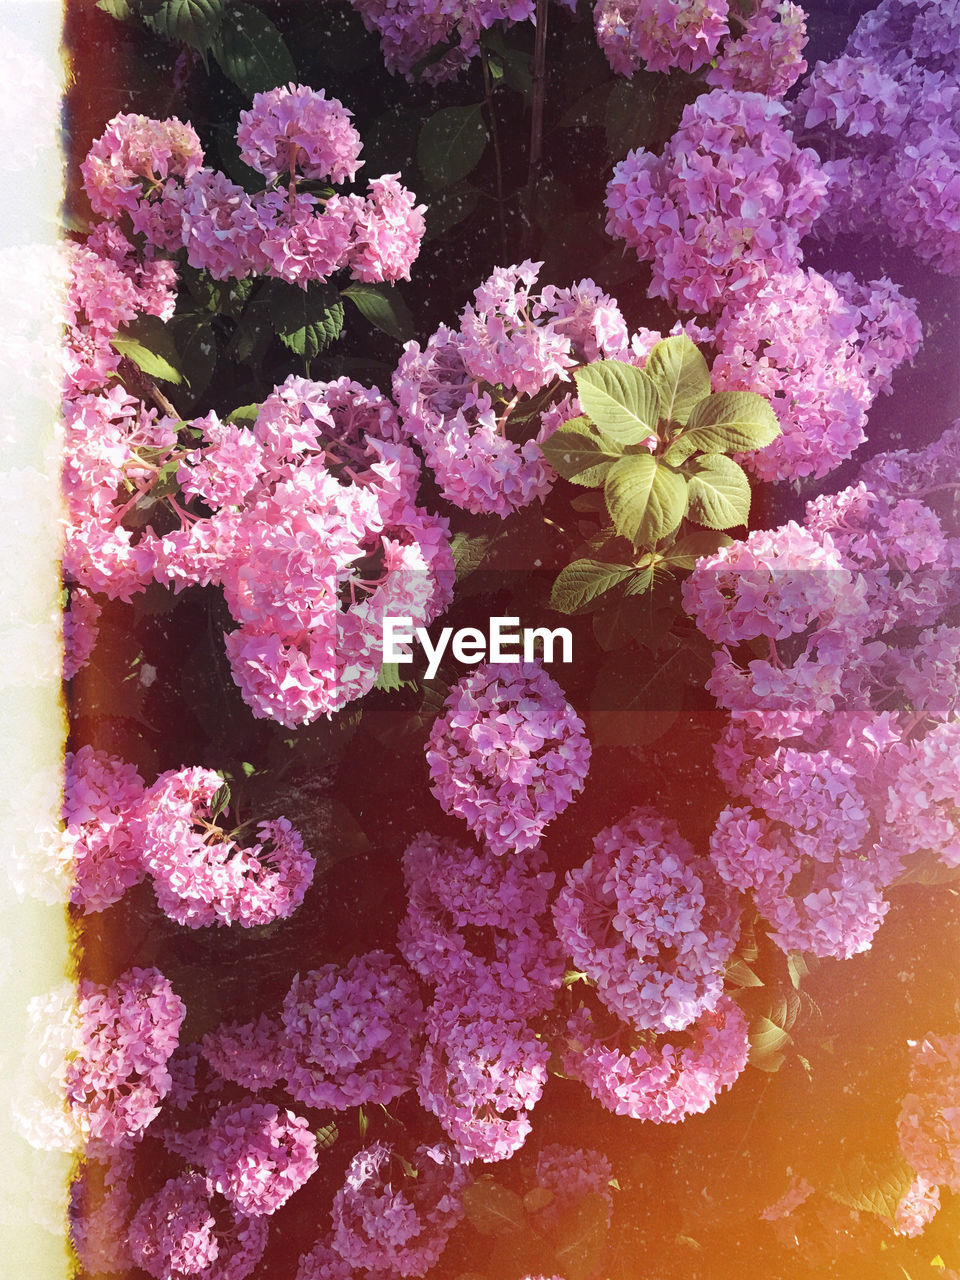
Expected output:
{"points": [[350, 1033], [929, 1121], [659, 34], [132, 159], [257, 1156], [767, 57], [508, 754], [649, 923], [298, 130], [102, 798], [181, 1231]]}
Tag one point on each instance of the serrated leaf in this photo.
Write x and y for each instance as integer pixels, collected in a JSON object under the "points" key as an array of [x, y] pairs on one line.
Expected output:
{"points": [[383, 307], [193, 22], [118, 9], [728, 422], [580, 452], [251, 51], [718, 492], [220, 800], [619, 399], [799, 966], [306, 320], [492, 1209], [451, 144], [327, 1136], [686, 551], [580, 583], [450, 208], [584, 1238], [872, 1187], [646, 499], [538, 1198], [739, 974], [770, 1033], [468, 552], [149, 344], [681, 375]]}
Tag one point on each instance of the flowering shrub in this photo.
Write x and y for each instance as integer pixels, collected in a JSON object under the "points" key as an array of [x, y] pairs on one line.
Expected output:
{"points": [[400, 986]]}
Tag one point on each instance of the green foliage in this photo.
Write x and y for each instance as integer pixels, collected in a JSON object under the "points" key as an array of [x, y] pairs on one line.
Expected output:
{"points": [[770, 1032], [718, 492], [192, 22], [451, 144], [383, 307], [580, 452], [583, 581], [148, 343], [251, 51], [645, 497], [621, 400], [493, 1209], [306, 320], [872, 1187], [680, 372], [580, 1250], [727, 422]]}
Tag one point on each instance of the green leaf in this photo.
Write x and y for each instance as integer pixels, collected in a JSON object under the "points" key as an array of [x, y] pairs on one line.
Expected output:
{"points": [[363, 1122], [799, 965], [450, 208], [681, 374], [245, 415], [118, 9], [251, 51], [770, 1033], [620, 399], [646, 499], [149, 344], [872, 1187], [306, 320], [718, 492], [631, 112], [580, 452], [389, 678], [728, 422], [583, 1242], [686, 551], [327, 1136], [469, 551], [451, 143], [739, 974], [220, 800], [492, 1209], [583, 581], [193, 22], [383, 307]]}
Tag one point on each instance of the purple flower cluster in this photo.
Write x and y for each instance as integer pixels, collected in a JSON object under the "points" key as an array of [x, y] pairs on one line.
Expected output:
{"points": [[350, 1034], [508, 754], [118, 1078], [651, 924], [523, 342], [436, 40], [929, 1121], [724, 207], [659, 1080], [471, 907], [659, 34], [153, 171], [841, 740], [888, 109], [393, 1216], [315, 536], [767, 57]]}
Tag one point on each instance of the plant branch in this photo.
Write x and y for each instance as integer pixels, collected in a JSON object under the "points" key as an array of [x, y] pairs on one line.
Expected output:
{"points": [[536, 122], [495, 138]]}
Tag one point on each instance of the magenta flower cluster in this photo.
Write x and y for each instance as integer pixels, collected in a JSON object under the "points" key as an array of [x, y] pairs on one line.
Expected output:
{"points": [[526, 342], [153, 171], [842, 740], [508, 754]]}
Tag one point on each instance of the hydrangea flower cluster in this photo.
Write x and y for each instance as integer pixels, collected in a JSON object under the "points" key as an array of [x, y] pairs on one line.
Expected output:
{"points": [[350, 1034], [928, 1125], [102, 795], [201, 875], [483, 1068], [257, 1156], [724, 207], [767, 56], [663, 1081], [468, 907], [571, 1174], [118, 1078], [153, 171], [819, 350], [848, 761], [649, 923], [392, 1216], [315, 536], [185, 1230], [887, 108], [434, 42], [508, 754], [484, 453], [659, 34]]}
